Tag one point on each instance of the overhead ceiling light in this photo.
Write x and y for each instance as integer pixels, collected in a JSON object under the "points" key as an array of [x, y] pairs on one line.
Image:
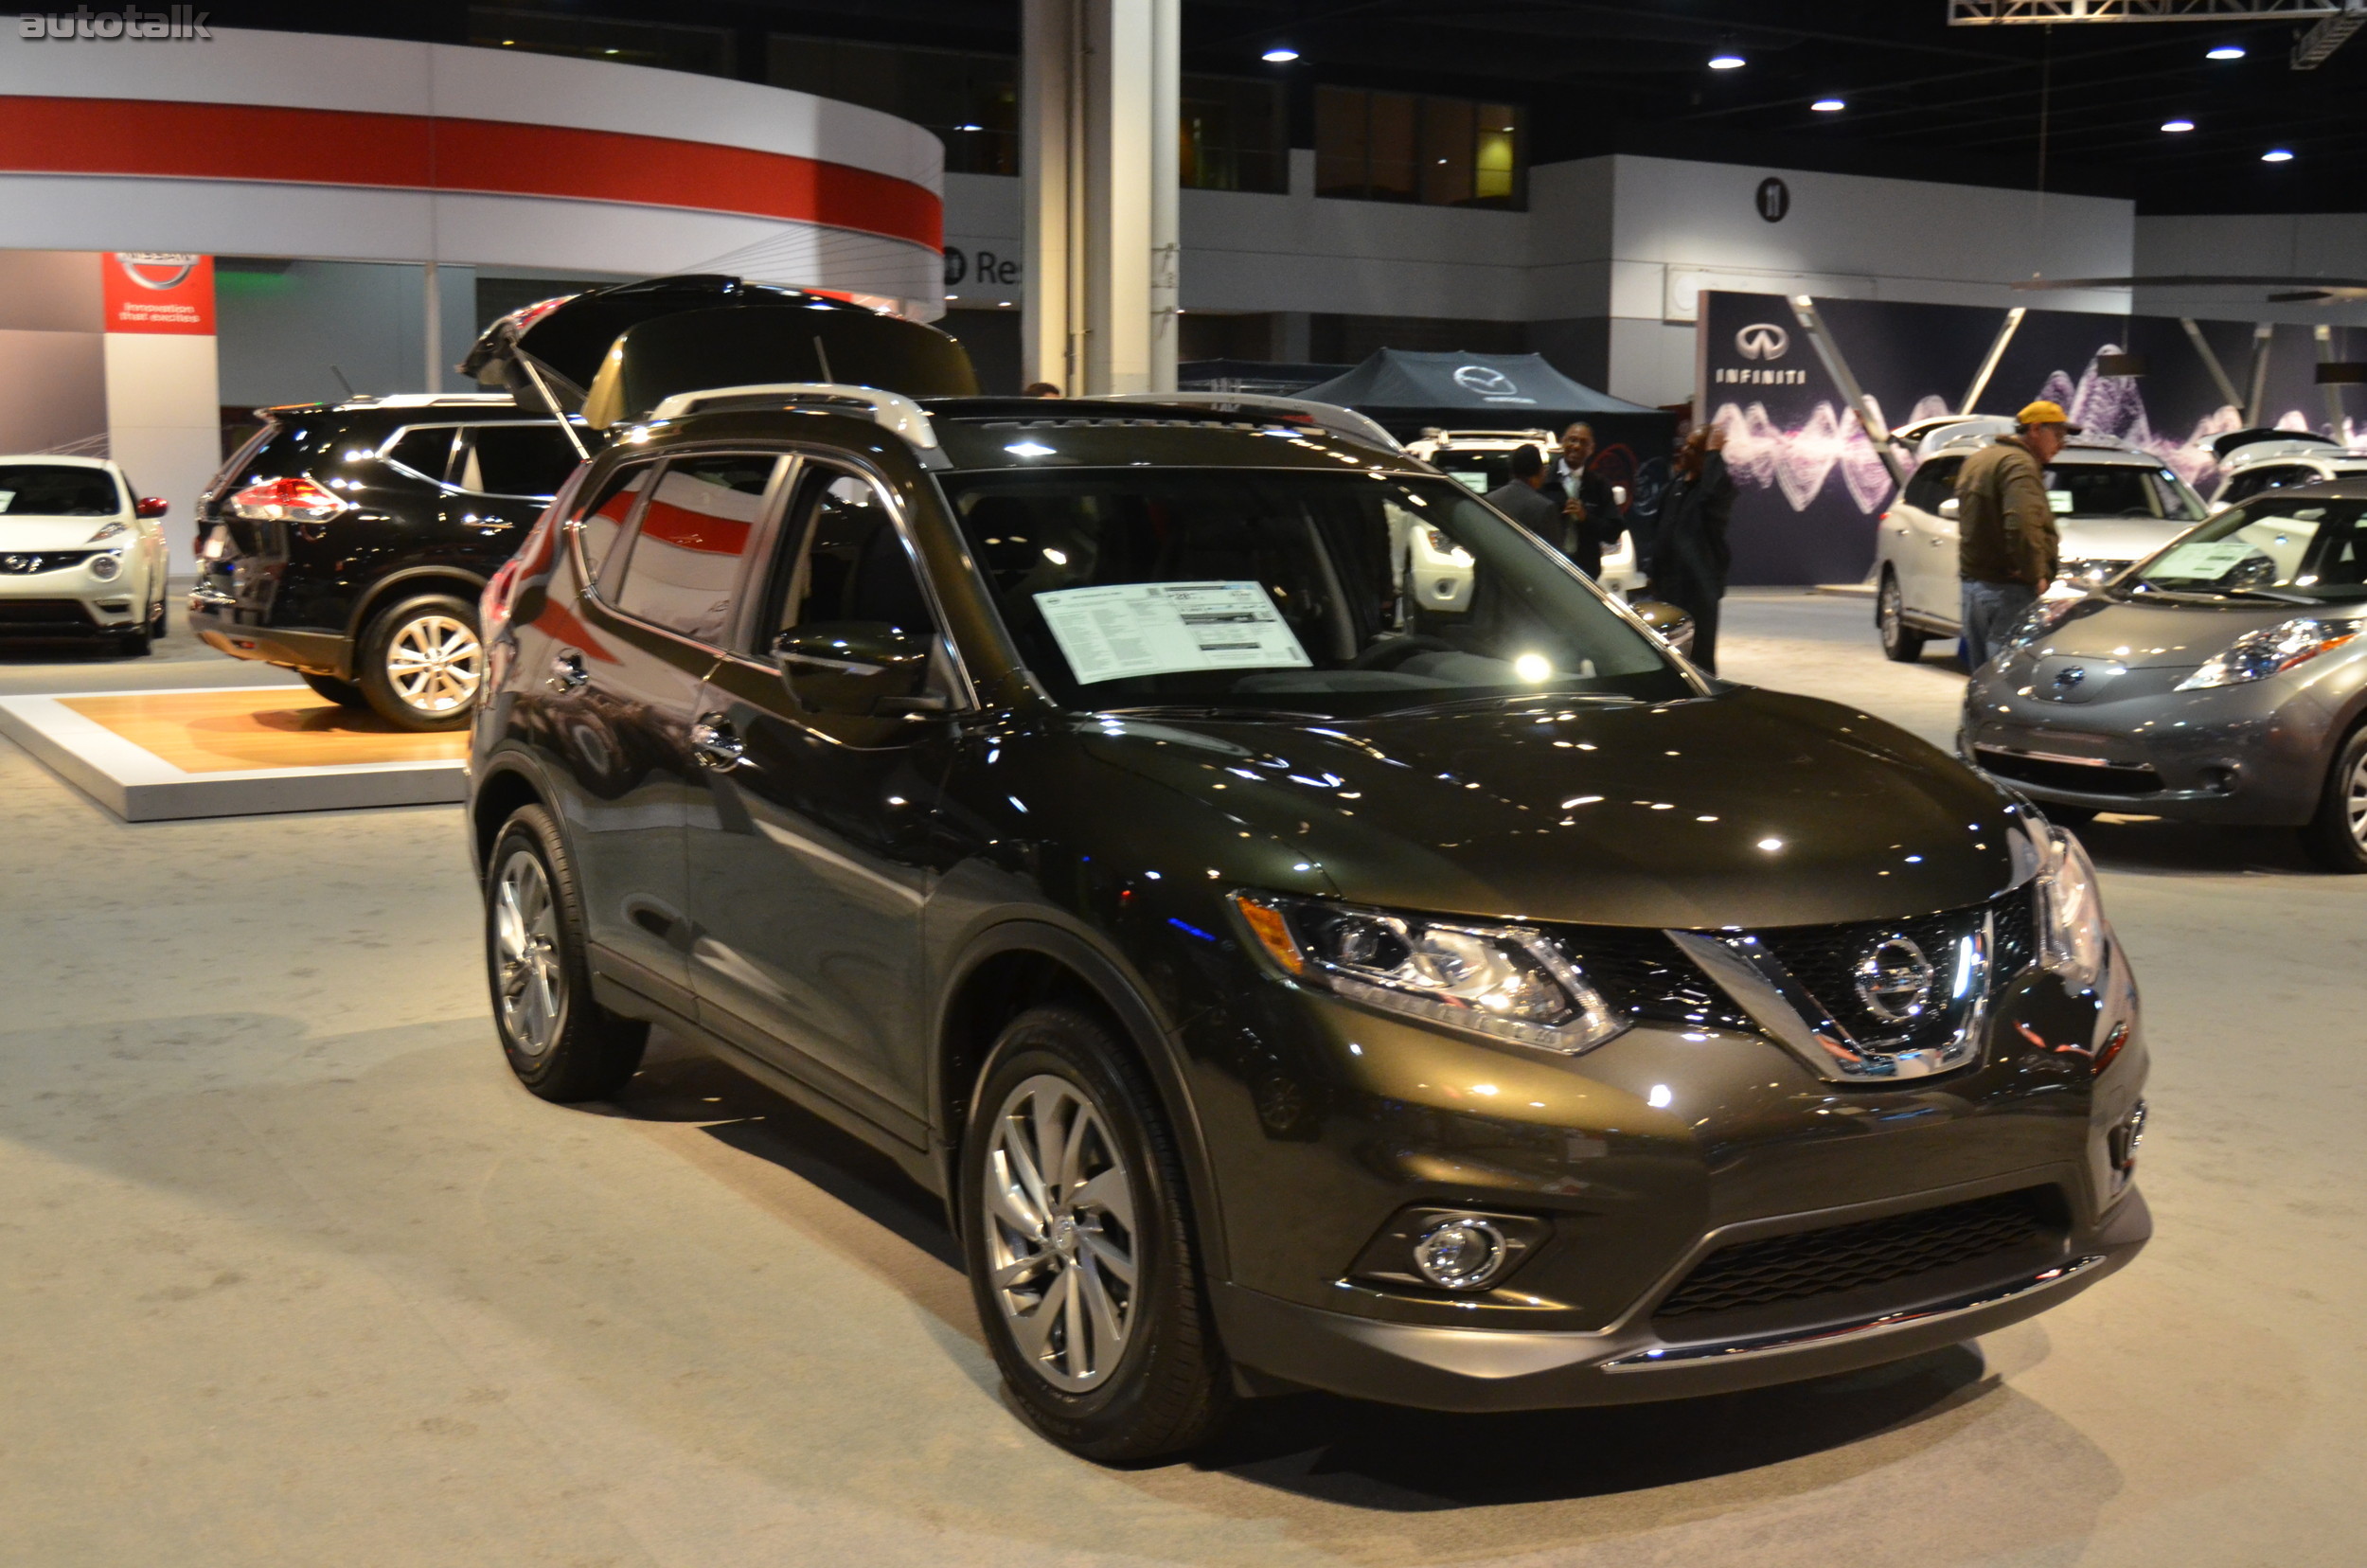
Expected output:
{"points": [[1828, 106], [1281, 54], [2226, 51], [1727, 62], [2178, 125], [2276, 154]]}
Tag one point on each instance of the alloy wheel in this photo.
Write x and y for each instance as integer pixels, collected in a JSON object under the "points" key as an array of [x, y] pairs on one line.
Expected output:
{"points": [[531, 980], [2355, 801], [1062, 1252], [435, 663]]}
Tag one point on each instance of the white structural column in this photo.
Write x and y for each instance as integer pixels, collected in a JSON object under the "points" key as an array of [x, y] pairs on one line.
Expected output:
{"points": [[1100, 101]]}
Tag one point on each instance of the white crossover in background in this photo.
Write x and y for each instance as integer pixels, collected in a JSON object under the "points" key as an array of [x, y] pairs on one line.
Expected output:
{"points": [[80, 555]]}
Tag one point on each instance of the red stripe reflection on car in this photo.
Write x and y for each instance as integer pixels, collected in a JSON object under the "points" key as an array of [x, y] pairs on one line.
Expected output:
{"points": [[686, 529]]}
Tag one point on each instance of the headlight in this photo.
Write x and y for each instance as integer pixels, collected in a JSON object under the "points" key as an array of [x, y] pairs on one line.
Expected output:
{"points": [[104, 568], [2270, 650], [1509, 982], [2043, 617], [106, 532], [2073, 935]]}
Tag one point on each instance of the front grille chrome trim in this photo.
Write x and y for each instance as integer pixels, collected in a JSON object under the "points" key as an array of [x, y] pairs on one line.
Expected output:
{"points": [[1775, 1345], [1747, 971]]}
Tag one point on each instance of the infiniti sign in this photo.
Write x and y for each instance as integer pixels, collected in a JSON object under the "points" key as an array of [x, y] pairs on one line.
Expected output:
{"points": [[1763, 340]]}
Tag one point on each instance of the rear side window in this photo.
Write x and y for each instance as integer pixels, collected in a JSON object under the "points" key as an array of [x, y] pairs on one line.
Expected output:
{"points": [[682, 569], [425, 450], [518, 459], [2275, 476], [57, 489], [1931, 483], [603, 521]]}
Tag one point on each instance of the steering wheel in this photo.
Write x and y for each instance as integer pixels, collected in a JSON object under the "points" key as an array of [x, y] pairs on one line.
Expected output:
{"points": [[1391, 651]]}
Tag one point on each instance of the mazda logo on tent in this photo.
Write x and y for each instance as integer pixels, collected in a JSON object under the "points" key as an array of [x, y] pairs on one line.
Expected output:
{"points": [[1763, 340], [157, 270], [1485, 379]]}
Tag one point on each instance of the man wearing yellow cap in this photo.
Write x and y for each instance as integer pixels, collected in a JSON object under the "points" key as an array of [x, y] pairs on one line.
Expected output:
{"points": [[2006, 549]]}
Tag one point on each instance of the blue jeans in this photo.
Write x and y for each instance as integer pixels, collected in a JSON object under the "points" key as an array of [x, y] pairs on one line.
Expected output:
{"points": [[1991, 611]]}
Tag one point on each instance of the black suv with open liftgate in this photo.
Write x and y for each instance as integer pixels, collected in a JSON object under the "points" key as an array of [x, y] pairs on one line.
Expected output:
{"points": [[1286, 983], [350, 542]]}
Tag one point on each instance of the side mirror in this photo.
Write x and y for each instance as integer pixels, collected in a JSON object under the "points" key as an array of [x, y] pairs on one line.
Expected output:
{"points": [[1948, 507], [152, 506], [1674, 626], [858, 669]]}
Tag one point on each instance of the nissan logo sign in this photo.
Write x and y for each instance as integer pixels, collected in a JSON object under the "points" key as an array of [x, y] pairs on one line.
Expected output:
{"points": [[1762, 340], [157, 270], [1485, 379]]}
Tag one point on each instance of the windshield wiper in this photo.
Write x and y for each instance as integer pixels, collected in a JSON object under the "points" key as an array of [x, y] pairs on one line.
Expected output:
{"points": [[1213, 710], [2272, 595], [1465, 705]]}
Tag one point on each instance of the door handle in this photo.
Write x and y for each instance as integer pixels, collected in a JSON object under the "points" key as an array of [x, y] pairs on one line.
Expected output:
{"points": [[567, 671], [715, 744]]}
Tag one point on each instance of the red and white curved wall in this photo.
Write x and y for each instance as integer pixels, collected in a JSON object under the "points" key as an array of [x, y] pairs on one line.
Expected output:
{"points": [[371, 151]]}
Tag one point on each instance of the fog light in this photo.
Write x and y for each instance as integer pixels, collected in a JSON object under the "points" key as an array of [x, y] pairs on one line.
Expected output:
{"points": [[1461, 1253], [2122, 1141], [1450, 1249], [105, 566]]}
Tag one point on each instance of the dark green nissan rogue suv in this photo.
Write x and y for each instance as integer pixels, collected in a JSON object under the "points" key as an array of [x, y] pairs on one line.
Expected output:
{"points": [[1286, 983]]}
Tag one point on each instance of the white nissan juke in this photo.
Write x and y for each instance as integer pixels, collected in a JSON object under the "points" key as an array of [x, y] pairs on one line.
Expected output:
{"points": [[80, 556]]}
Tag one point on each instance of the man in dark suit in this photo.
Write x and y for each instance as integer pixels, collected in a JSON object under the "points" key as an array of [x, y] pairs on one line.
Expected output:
{"points": [[1590, 518], [1690, 562], [1522, 497]]}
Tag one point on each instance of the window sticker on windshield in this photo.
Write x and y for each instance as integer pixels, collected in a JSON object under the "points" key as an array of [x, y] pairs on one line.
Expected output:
{"points": [[1477, 481], [6, 496], [1133, 628], [2203, 563], [2061, 500]]}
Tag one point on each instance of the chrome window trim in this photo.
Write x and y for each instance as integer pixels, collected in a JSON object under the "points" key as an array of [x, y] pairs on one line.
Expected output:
{"points": [[630, 533], [462, 427]]}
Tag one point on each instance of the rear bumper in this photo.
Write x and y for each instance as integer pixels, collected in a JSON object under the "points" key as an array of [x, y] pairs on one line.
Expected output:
{"points": [[214, 619], [1470, 1369]]}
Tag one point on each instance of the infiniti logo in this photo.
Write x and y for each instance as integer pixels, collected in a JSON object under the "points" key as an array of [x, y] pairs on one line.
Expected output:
{"points": [[1763, 340], [1485, 379], [1895, 980]]}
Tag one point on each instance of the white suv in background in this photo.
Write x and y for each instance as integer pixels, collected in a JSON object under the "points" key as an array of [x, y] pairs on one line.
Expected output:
{"points": [[2113, 505], [2255, 460], [1482, 460], [80, 556]]}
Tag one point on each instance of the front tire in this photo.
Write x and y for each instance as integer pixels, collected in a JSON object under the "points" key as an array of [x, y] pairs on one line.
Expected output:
{"points": [[1080, 1252], [422, 661], [564, 1045], [2337, 837], [1901, 643]]}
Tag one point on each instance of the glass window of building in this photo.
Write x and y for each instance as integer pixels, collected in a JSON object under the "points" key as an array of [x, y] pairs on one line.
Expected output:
{"points": [[1405, 146], [970, 100], [1235, 135], [673, 47]]}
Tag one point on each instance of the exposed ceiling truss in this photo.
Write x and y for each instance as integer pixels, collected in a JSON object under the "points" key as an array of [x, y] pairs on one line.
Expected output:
{"points": [[1990, 13]]}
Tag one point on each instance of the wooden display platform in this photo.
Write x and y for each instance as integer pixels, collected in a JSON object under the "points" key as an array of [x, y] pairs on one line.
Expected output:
{"points": [[235, 751]]}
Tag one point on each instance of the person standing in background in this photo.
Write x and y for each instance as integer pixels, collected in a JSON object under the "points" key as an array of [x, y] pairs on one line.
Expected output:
{"points": [[1589, 516], [1691, 558], [1521, 498], [2006, 547]]}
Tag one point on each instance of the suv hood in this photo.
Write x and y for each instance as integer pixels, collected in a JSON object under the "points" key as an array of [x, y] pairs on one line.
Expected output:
{"points": [[61, 533], [1752, 809]]}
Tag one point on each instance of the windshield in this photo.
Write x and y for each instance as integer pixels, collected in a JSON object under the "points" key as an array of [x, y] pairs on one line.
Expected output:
{"points": [[2119, 490], [1341, 595], [1480, 471], [57, 489], [2279, 545]]}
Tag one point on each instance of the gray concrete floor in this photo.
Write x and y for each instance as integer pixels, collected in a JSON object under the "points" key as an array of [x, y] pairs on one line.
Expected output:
{"points": [[292, 1273]]}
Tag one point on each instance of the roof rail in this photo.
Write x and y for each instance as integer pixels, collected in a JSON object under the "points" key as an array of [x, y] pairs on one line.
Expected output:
{"points": [[890, 411], [1331, 417]]}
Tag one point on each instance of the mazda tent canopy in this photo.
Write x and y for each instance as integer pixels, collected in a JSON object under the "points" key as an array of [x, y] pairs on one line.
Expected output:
{"points": [[1494, 391]]}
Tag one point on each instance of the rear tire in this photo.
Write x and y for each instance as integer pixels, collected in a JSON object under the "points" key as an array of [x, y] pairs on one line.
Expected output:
{"points": [[1084, 1274], [564, 1045], [2337, 837], [422, 661], [343, 693], [1901, 643]]}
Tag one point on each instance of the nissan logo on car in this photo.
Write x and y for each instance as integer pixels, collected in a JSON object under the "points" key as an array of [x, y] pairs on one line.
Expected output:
{"points": [[1762, 340], [1895, 980]]}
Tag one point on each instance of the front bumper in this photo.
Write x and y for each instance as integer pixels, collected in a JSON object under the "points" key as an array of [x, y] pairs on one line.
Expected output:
{"points": [[2252, 755], [1440, 1367], [69, 601], [214, 617]]}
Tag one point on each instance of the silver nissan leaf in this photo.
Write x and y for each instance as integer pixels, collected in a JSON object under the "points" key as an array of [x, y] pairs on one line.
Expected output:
{"points": [[2222, 680]]}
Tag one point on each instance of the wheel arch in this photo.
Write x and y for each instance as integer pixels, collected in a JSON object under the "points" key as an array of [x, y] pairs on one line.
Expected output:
{"points": [[459, 581], [1023, 963], [504, 787]]}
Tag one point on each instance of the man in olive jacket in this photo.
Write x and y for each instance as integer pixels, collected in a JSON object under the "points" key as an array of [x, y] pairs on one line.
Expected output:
{"points": [[2006, 549]]}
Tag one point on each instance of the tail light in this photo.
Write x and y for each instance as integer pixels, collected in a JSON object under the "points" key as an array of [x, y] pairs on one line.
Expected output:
{"points": [[297, 499]]}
